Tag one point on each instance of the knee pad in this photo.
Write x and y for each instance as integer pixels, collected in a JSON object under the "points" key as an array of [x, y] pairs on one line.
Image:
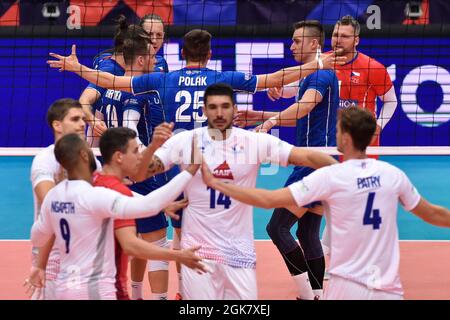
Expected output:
{"points": [[158, 265], [308, 234], [279, 230]]}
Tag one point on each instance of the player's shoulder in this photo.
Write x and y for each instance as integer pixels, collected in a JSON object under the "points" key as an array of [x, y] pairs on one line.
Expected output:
{"points": [[161, 64], [364, 61], [111, 182], [325, 75], [45, 156]]}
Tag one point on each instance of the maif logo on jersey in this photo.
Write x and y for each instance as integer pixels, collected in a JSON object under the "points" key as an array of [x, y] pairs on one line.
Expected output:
{"points": [[223, 172]]}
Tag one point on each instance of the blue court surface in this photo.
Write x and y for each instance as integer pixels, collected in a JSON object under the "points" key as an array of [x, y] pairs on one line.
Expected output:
{"points": [[430, 174]]}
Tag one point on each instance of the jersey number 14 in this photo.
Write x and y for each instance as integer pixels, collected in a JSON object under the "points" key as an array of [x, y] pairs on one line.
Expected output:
{"points": [[221, 199], [372, 216]]}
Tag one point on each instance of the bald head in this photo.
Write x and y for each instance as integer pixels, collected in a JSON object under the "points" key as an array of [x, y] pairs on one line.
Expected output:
{"points": [[71, 151]]}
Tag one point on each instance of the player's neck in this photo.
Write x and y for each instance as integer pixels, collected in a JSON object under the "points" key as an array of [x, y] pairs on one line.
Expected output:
{"points": [[130, 71], [80, 174], [354, 154], [351, 55], [224, 135], [309, 58], [112, 170], [119, 59], [196, 64]]}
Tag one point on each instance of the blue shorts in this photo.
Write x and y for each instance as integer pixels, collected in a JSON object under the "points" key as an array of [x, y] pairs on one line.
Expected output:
{"points": [[298, 174], [158, 222]]}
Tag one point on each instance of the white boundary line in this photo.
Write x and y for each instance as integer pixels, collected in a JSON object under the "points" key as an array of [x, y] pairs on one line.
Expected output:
{"points": [[395, 151]]}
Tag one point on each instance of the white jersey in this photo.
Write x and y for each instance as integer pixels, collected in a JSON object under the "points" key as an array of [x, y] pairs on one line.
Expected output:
{"points": [[78, 214], [46, 168], [221, 225], [81, 218], [361, 198]]}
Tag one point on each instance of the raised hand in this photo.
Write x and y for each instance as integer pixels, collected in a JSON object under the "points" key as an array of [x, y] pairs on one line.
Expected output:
{"points": [[69, 63], [330, 60], [162, 133], [274, 93], [245, 118]]}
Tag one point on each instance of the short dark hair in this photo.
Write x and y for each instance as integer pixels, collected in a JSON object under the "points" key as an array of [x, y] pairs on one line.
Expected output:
{"points": [[125, 31], [348, 20], [360, 124], [60, 108], [115, 139], [313, 26], [133, 47], [197, 45], [150, 17], [67, 150], [219, 89]]}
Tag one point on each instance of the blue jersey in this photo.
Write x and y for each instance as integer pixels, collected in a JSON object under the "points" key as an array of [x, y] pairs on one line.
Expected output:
{"points": [[318, 128], [181, 92]]}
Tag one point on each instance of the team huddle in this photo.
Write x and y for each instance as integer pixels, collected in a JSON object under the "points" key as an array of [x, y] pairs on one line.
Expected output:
{"points": [[171, 146]]}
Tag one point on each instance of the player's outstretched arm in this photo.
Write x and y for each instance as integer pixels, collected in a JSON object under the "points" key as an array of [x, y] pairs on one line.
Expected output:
{"points": [[433, 214], [310, 158], [136, 247], [288, 75], [101, 79], [256, 197], [298, 110]]}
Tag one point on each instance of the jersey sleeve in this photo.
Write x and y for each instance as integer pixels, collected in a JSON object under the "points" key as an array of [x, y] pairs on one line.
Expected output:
{"points": [[409, 197], [147, 83], [379, 78], [135, 103], [101, 67], [42, 230], [313, 187], [320, 81], [272, 149], [41, 170], [174, 150], [240, 81]]}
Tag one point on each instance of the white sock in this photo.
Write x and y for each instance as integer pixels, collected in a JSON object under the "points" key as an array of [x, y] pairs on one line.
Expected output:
{"points": [[136, 290], [159, 296], [318, 293], [305, 291]]}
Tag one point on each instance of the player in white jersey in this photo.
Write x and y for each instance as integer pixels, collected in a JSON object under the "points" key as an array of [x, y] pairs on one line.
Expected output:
{"points": [[223, 227], [361, 197], [79, 216], [64, 116]]}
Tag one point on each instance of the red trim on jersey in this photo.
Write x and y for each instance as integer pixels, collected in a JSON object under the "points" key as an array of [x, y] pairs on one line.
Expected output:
{"points": [[114, 183]]}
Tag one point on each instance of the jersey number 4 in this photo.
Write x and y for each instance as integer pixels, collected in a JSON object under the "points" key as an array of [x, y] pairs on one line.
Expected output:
{"points": [[221, 199], [65, 232], [372, 216]]}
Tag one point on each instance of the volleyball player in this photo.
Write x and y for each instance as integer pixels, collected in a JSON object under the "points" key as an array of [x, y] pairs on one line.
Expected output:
{"points": [[361, 196], [224, 227]]}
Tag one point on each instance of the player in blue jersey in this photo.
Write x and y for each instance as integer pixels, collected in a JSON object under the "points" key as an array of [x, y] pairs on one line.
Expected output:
{"points": [[152, 229], [111, 61], [314, 115]]}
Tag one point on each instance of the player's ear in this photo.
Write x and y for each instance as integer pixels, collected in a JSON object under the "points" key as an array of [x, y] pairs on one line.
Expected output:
{"points": [[356, 40], [57, 126], [117, 157]]}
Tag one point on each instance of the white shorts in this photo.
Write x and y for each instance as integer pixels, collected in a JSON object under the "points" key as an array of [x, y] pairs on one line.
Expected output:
{"points": [[222, 282], [46, 293], [342, 289]]}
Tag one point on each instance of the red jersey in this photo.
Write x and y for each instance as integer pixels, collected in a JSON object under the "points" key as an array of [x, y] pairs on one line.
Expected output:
{"points": [[361, 80], [114, 183]]}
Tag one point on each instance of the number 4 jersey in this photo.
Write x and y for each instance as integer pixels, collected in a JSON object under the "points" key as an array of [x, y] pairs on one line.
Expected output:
{"points": [[222, 225], [360, 198]]}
